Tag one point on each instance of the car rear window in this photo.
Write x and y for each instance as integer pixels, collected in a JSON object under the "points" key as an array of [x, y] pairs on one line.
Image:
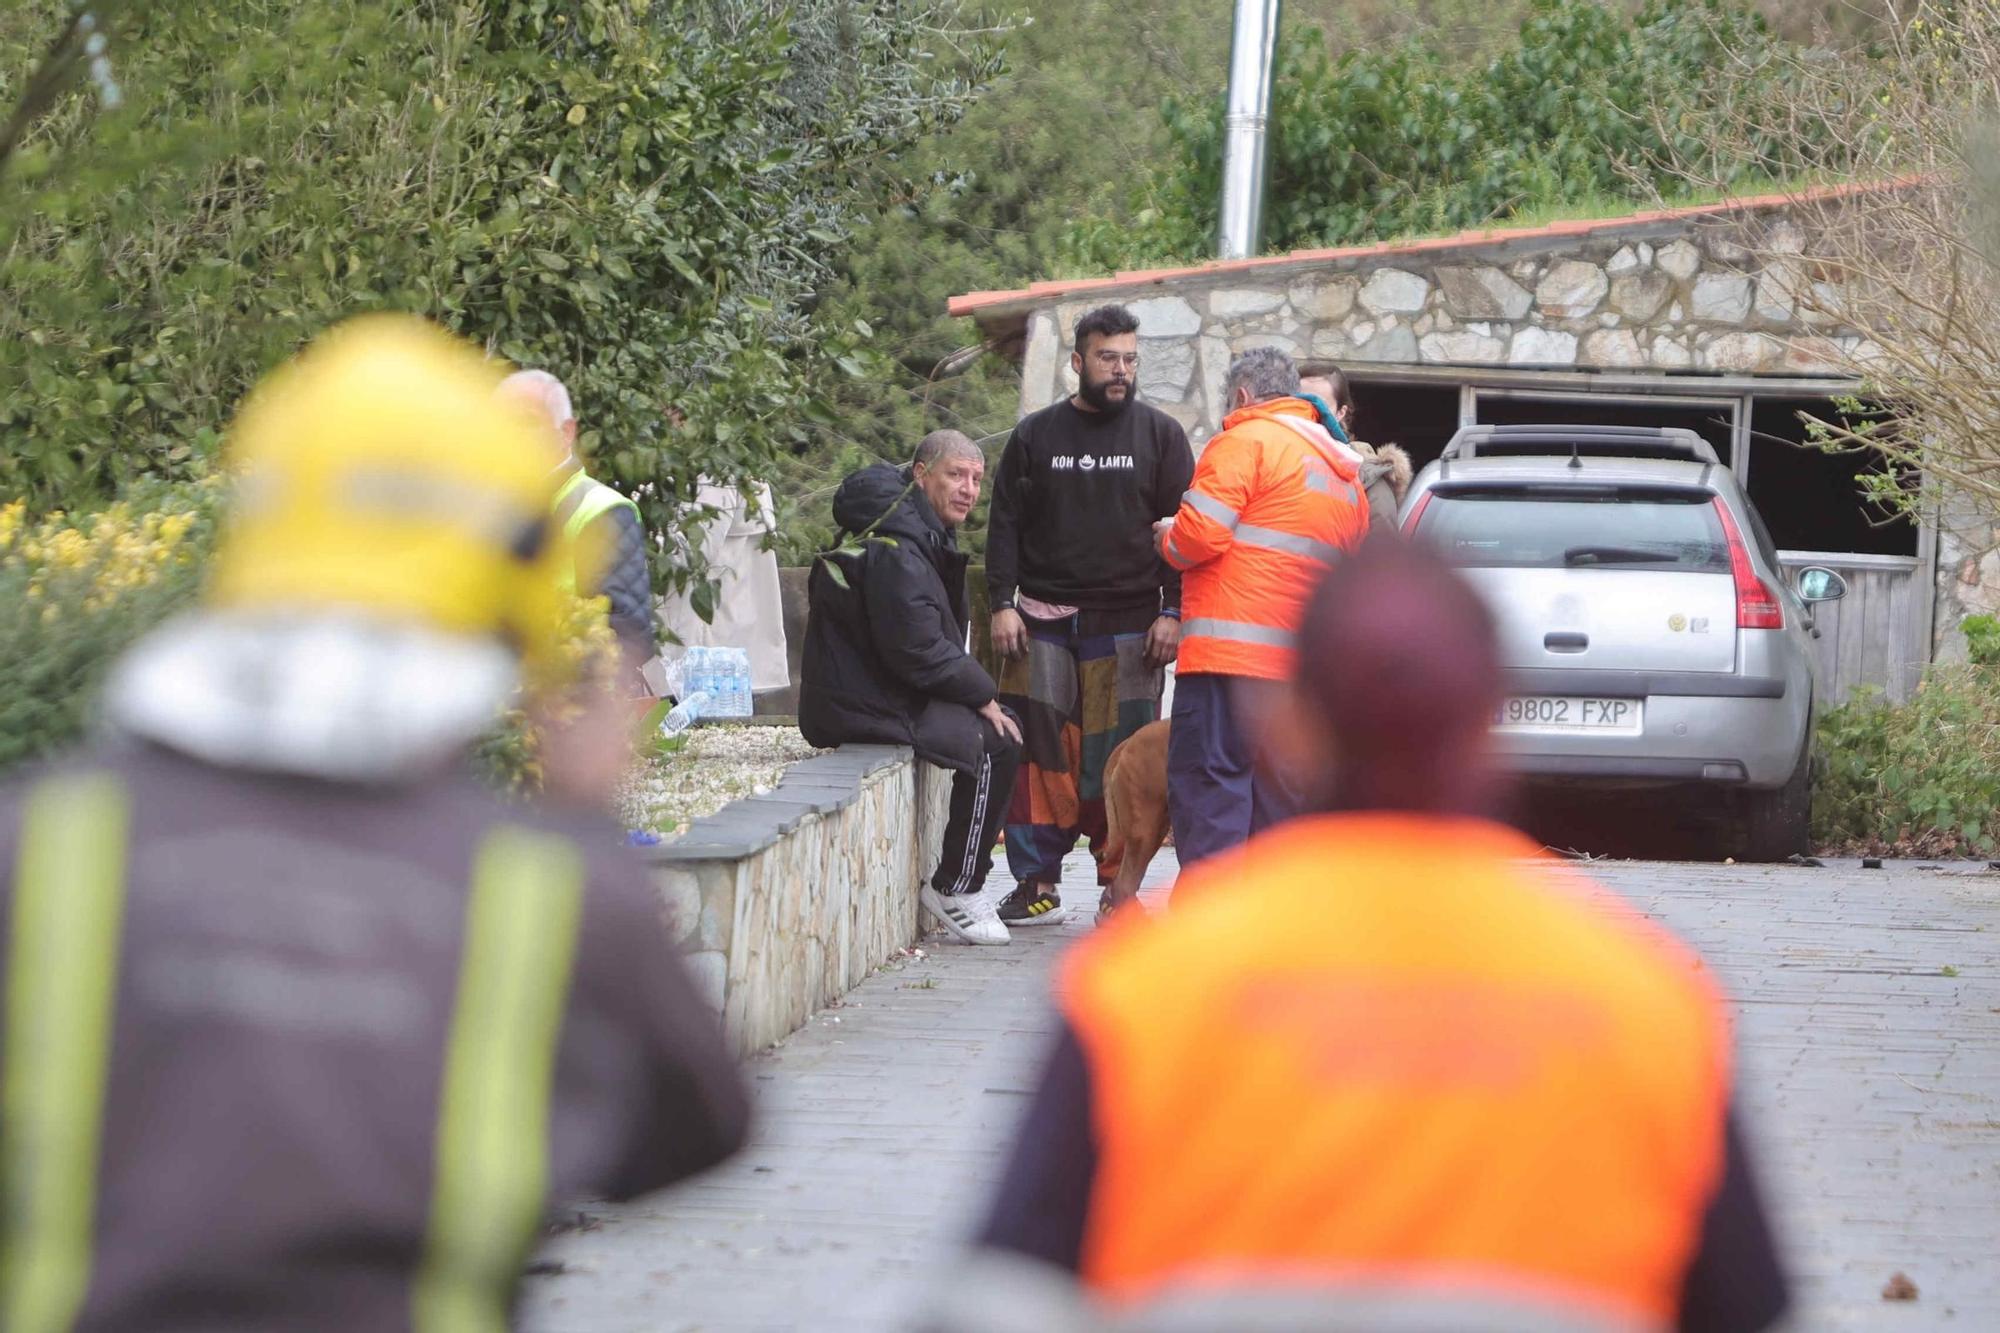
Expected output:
{"points": [[1576, 529]]}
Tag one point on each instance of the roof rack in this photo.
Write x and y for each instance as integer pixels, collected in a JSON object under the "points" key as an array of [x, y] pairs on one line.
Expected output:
{"points": [[1596, 441]]}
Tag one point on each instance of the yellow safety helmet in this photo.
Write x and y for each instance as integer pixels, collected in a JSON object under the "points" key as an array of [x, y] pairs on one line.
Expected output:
{"points": [[377, 473]]}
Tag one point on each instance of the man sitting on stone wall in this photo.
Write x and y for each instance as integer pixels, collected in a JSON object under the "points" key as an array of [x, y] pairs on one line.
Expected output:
{"points": [[886, 660]]}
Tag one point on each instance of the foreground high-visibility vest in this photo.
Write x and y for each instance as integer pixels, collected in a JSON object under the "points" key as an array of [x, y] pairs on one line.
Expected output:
{"points": [[1275, 502], [1373, 1053], [579, 502]]}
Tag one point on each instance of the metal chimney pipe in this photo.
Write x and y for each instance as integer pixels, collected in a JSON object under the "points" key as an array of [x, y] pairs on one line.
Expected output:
{"points": [[1251, 50]]}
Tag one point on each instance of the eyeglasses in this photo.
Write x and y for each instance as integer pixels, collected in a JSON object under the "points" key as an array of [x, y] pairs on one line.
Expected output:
{"points": [[1113, 360]]}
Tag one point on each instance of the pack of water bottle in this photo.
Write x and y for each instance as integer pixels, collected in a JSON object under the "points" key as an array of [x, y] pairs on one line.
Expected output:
{"points": [[723, 674]]}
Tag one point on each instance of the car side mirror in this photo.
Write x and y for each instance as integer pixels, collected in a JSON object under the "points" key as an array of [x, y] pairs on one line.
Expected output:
{"points": [[1820, 584]]}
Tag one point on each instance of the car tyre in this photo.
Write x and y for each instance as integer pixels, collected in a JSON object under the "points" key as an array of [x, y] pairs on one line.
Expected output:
{"points": [[1777, 823]]}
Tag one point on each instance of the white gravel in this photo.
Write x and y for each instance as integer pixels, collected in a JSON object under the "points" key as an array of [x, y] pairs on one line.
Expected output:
{"points": [[719, 764]]}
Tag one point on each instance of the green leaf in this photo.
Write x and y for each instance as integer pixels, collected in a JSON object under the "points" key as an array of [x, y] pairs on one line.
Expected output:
{"points": [[701, 598], [682, 267], [649, 725]]}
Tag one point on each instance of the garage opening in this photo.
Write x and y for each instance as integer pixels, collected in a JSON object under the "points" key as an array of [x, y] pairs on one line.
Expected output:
{"points": [[1421, 418], [1714, 422], [1810, 499], [1813, 500]]}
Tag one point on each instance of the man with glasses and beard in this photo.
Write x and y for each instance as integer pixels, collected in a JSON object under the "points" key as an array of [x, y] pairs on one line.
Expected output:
{"points": [[1085, 613]]}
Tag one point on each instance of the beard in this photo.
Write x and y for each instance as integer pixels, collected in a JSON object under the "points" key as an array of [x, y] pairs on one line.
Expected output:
{"points": [[1099, 397]]}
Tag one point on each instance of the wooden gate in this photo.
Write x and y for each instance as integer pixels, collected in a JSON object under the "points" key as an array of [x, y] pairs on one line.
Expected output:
{"points": [[1880, 633]]}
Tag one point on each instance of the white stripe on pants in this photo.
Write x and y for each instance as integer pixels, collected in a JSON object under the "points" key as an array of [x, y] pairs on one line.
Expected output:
{"points": [[981, 793]]}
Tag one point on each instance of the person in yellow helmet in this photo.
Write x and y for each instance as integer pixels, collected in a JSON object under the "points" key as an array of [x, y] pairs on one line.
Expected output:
{"points": [[303, 1029]]}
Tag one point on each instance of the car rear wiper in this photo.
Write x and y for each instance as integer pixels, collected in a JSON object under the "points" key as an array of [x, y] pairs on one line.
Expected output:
{"points": [[1611, 555]]}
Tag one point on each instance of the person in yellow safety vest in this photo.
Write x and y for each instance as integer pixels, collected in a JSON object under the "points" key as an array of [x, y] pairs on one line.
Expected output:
{"points": [[1275, 501], [598, 524], [302, 1028], [1388, 1065]]}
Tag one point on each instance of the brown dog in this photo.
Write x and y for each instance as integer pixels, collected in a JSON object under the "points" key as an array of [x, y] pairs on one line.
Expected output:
{"points": [[1135, 807]]}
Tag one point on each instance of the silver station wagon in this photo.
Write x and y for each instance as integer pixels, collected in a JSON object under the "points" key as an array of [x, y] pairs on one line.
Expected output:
{"points": [[1648, 632]]}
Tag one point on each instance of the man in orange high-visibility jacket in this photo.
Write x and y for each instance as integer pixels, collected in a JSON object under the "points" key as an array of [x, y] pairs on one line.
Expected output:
{"points": [[1386, 1066], [1275, 501]]}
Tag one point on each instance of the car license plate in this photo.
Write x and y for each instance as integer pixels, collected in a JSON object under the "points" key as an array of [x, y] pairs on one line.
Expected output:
{"points": [[1560, 713]]}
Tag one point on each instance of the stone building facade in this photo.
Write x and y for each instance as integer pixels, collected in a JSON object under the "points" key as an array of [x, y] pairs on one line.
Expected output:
{"points": [[1716, 309], [1695, 290]]}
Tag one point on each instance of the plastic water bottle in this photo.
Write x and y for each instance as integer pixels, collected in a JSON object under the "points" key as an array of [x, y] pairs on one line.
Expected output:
{"points": [[739, 683], [700, 676], [718, 683], [683, 714]]}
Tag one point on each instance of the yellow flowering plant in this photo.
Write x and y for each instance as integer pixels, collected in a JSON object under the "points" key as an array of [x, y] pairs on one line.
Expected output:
{"points": [[76, 589], [588, 657]]}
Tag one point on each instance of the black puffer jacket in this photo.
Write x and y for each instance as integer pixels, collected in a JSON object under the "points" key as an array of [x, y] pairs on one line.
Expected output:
{"points": [[614, 547], [891, 642]]}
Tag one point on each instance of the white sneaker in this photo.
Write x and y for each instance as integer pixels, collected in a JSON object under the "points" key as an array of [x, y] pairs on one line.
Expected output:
{"points": [[970, 916]]}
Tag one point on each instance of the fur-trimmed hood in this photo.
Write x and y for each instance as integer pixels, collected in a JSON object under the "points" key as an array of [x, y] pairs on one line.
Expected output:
{"points": [[1385, 462]]}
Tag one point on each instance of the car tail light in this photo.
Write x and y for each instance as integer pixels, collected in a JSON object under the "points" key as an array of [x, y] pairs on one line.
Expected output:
{"points": [[1757, 607], [1423, 503]]}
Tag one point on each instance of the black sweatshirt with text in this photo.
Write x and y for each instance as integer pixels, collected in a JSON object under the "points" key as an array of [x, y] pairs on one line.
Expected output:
{"points": [[1074, 504]]}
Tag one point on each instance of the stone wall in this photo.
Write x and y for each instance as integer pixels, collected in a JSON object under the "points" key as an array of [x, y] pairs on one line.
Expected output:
{"points": [[1712, 294], [782, 903], [1968, 575]]}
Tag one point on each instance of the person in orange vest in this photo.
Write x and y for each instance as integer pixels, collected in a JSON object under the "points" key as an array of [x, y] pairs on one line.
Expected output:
{"points": [[1474, 1091], [1275, 501]]}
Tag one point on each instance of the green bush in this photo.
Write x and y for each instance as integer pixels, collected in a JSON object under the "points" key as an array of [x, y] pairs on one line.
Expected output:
{"points": [[1920, 778], [1589, 102], [985, 205], [1982, 639], [645, 198], [75, 591]]}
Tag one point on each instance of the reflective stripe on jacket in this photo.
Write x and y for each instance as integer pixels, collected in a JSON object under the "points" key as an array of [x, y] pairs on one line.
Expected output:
{"points": [[1274, 503], [1473, 1074]]}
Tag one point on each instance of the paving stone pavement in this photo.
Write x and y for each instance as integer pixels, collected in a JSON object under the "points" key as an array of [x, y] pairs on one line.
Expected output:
{"points": [[1869, 1058]]}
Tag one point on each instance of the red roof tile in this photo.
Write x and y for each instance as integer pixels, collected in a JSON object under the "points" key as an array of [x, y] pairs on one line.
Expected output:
{"points": [[973, 303]]}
